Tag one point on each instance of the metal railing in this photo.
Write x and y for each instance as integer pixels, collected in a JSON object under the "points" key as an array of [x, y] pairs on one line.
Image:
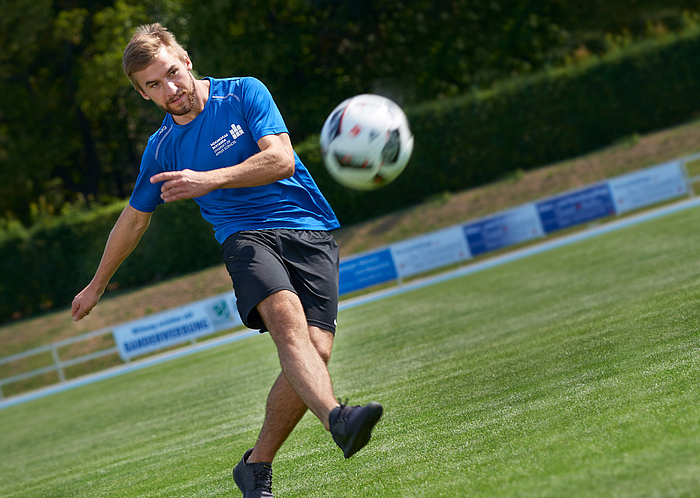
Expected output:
{"points": [[59, 365]]}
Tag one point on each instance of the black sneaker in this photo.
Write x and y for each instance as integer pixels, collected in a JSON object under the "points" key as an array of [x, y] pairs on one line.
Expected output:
{"points": [[351, 426], [254, 479]]}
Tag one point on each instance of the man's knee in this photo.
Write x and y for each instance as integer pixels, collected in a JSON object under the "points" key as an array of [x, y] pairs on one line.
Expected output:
{"points": [[283, 314]]}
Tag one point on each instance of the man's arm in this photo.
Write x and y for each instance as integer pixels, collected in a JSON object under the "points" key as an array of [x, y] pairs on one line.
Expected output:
{"points": [[274, 162], [124, 237]]}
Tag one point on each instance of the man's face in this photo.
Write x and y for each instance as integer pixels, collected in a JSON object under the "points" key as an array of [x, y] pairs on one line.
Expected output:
{"points": [[167, 81]]}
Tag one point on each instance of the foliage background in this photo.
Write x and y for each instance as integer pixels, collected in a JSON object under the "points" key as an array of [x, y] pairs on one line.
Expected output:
{"points": [[72, 129]]}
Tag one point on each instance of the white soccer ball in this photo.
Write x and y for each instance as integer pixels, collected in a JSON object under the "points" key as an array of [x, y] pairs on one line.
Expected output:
{"points": [[366, 142]]}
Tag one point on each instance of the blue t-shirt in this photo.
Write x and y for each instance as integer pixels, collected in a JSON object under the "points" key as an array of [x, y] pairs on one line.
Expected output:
{"points": [[237, 114]]}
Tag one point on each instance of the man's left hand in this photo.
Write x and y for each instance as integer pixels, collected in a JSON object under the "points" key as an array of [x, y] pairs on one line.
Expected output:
{"points": [[185, 184]]}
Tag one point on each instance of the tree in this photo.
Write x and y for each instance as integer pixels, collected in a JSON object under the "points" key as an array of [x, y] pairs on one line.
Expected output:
{"points": [[75, 128]]}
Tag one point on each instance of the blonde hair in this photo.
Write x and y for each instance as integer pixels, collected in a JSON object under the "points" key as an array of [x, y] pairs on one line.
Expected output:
{"points": [[144, 46]]}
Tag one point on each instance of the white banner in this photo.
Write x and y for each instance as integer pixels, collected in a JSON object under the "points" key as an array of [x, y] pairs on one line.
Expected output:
{"points": [[430, 251], [503, 229], [175, 326], [650, 186]]}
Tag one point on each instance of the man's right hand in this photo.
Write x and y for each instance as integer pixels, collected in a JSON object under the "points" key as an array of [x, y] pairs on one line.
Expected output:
{"points": [[126, 233], [84, 302]]}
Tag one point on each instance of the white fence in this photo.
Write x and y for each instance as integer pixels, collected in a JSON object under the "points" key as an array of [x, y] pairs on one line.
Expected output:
{"points": [[407, 258], [58, 365], [154, 332]]}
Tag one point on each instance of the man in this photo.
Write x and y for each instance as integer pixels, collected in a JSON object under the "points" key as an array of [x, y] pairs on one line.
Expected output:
{"points": [[223, 143]]}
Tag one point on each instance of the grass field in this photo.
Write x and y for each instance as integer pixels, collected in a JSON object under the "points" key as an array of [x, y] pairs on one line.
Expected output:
{"points": [[573, 373]]}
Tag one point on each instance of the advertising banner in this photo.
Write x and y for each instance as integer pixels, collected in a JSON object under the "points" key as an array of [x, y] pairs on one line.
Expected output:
{"points": [[366, 270], [650, 186], [430, 251], [504, 229], [175, 326], [576, 207]]}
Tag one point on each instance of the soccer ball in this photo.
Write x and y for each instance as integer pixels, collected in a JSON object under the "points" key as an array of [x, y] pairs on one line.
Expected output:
{"points": [[366, 142]]}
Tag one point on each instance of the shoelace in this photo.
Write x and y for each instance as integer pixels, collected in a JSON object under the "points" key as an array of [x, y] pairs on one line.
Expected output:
{"points": [[262, 479], [343, 414]]}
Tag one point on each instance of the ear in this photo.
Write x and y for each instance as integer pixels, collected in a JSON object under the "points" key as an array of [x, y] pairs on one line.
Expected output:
{"points": [[143, 94], [188, 62]]}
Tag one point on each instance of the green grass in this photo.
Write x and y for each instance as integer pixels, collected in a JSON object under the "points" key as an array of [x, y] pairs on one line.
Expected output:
{"points": [[571, 373]]}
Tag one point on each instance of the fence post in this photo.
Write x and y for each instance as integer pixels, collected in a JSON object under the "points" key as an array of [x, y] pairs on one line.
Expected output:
{"points": [[57, 361], [686, 177]]}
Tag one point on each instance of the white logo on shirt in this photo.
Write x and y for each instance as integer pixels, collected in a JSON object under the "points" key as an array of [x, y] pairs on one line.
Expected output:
{"points": [[225, 141], [236, 131]]}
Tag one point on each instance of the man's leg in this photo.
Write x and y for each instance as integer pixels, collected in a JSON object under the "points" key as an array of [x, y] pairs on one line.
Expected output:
{"points": [[302, 364], [284, 407]]}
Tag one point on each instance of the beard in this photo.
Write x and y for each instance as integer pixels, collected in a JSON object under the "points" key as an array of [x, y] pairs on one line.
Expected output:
{"points": [[186, 105]]}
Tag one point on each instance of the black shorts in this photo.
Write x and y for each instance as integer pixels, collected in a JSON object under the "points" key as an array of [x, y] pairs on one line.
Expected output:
{"points": [[262, 262]]}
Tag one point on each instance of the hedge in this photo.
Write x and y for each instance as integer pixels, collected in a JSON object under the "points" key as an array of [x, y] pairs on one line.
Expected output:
{"points": [[459, 143], [527, 123], [47, 265]]}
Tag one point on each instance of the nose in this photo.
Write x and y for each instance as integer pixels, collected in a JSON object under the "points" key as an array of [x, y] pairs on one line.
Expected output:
{"points": [[172, 88]]}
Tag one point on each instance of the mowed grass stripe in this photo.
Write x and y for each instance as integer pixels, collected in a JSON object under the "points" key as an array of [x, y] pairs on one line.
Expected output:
{"points": [[569, 373]]}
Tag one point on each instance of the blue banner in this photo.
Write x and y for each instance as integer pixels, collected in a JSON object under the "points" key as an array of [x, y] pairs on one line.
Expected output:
{"points": [[574, 208], [367, 270]]}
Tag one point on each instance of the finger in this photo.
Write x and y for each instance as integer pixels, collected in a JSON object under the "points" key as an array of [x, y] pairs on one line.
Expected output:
{"points": [[80, 309], [81, 314], [169, 185], [168, 191], [173, 197], [161, 177], [77, 314]]}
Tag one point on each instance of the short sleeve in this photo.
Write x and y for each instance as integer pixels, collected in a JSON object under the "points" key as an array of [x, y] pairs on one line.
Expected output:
{"points": [[146, 195], [260, 111]]}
